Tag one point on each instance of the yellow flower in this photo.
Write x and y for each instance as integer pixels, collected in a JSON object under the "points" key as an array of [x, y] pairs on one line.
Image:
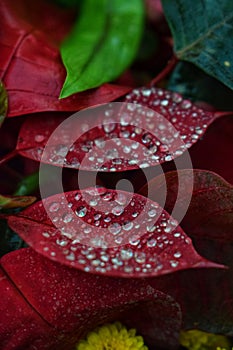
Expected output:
{"points": [[198, 340], [112, 337]]}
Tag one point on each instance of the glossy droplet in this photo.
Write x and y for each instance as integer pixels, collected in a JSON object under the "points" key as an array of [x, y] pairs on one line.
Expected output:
{"points": [[151, 243], [67, 218], [118, 210], [126, 254], [54, 207], [152, 213], [81, 212], [114, 228], [39, 138], [140, 257]]}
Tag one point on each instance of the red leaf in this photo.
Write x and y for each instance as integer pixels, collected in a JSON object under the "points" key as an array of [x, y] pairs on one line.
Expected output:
{"points": [[67, 303], [118, 137], [31, 67], [209, 217], [205, 297], [107, 232]]}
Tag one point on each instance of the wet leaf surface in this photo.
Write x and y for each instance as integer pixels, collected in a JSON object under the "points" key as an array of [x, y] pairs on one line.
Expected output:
{"points": [[107, 232], [153, 126]]}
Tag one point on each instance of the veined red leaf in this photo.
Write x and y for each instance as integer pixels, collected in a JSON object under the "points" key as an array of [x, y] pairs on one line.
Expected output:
{"points": [[31, 66], [152, 126], [107, 232], [48, 306], [209, 218]]}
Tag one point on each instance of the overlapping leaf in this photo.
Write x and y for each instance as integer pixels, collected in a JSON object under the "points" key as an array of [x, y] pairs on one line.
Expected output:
{"points": [[31, 67], [108, 232], [202, 32], [152, 126], [102, 44], [10, 202], [52, 306], [209, 216]]}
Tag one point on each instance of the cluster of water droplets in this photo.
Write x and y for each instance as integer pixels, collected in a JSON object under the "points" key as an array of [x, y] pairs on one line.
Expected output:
{"points": [[109, 238], [151, 127]]}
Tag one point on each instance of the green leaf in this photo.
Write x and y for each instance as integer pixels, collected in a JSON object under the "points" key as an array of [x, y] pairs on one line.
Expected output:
{"points": [[28, 185], [11, 202], [194, 84], [3, 103], [102, 44], [202, 32]]}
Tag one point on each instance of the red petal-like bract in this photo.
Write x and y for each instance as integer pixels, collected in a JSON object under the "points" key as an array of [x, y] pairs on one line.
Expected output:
{"points": [[31, 67], [152, 126], [107, 232], [209, 217], [49, 306]]}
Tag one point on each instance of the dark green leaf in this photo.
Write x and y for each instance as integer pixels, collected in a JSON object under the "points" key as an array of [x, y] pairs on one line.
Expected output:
{"points": [[192, 83], [103, 43], [202, 32], [28, 185], [3, 103]]}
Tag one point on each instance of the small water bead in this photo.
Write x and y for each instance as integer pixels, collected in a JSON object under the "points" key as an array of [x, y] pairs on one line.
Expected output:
{"points": [[163, 148], [118, 210], [186, 104], [134, 240], [61, 150], [151, 243], [135, 145], [152, 213], [70, 257], [39, 138], [62, 242], [54, 207], [121, 199], [77, 197], [135, 214], [126, 149], [146, 138], [112, 153], [125, 119], [100, 143], [93, 202], [87, 230], [114, 228], [126, 254], [168, 157], [107, 219], [177, 255], [128, 225], [151, 228], [174, 263], [109, 126], [145, 92], [140, 257], [107, 197], [164, 103], [81, 212], [144, 165], [97, 216], [46, 234], [118, 240], [67, 218]]}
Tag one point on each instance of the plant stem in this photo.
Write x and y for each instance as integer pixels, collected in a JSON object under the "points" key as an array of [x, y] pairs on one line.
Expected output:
{"points": [[8, 156], [168, 69]]}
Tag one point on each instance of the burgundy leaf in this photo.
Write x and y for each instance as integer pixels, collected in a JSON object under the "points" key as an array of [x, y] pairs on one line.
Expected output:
{"points": [[31, 67], [209, 216], [107, 232], [47, 299], [205, 297], [153, 127]]}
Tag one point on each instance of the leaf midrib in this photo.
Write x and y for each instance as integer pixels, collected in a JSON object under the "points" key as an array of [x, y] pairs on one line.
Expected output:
{"points": [[189, 47]]}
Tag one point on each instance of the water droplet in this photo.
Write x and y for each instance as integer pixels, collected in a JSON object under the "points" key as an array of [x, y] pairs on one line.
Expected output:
{"points": [[107, 197], [118, 210], [126, 254], [146, 92], [164, 103], [152, 213], [177, 255], [97, 216], [54, 207], [125, 119], [114, 228], [46, 234], [112, 153], [67, 218], [186, 104], [62, 242], [93, 202], [77, 197], [121, 199], [109, 125], [81, 212], [128, 225], [39, 138], [140, 257], [134, 240], [146, 138], [151, 243], [100, 143]]}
